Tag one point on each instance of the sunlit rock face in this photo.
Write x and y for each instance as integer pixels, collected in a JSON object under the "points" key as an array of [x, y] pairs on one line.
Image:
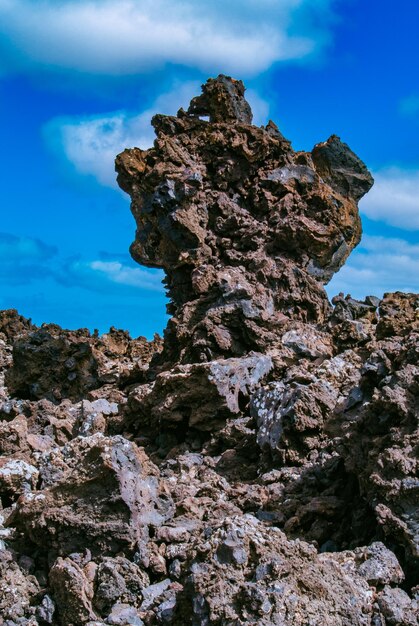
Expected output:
{"points": [[259, 465], [246, 229]]}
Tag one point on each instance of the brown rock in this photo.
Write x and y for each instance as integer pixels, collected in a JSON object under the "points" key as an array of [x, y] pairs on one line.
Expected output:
{"points": [[282, 429], [247, 573], [246, 229], [201, 395], [17, 590], [97, 492], [72, 591], [54, 364], [399, 313], [13, 436], [12, 325]]}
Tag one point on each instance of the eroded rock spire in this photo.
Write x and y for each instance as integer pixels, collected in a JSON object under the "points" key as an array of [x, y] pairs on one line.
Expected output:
{"points": [[246, 229]]}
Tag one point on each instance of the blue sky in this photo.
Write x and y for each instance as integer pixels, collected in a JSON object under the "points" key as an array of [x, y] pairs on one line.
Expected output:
{"points": [[80, 80]]}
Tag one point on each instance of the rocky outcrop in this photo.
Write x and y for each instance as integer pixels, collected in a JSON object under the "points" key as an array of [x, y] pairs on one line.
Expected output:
{"points": [[53, 363], [200, 396], [115, 496], [258, 466], [246, 229]]}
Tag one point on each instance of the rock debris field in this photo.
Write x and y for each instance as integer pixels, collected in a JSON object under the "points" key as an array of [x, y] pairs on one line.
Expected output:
{"points": [[259, 464]]}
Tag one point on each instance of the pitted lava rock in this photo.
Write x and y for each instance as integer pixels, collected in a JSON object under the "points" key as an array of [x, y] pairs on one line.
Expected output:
{"points": [[246, 229], [260, 465], [53, 363]]}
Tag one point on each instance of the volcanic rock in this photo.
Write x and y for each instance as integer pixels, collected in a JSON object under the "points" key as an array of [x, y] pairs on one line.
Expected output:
{"points": [[73, 592], [245, 573], [53, 363], [97, 492], [17, 591], [201, 394], [258, 465], [246, 229]]}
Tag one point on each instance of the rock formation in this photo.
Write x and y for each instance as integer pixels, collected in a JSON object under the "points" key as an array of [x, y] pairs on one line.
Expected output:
{"points": [[246, 230], [258, 466]]}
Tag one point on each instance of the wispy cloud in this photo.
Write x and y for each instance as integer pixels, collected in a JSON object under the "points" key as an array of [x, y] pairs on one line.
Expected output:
{"points": [[99, 275], [13, 247], [126, 37], [380, 264], [26, 260], [394, 198], [91, 143]]}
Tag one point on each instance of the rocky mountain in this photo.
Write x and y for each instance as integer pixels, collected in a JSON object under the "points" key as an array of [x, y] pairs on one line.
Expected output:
{"points": [[259, 464]]}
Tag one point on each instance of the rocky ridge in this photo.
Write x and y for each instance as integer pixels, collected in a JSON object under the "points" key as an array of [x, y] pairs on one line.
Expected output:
{"points": [[259, 464]]}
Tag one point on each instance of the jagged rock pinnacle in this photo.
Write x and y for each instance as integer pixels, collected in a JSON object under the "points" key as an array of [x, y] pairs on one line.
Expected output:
{"points": [[222, 100], [246, 229]]}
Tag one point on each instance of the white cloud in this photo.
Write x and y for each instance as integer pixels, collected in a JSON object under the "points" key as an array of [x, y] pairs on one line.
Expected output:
{"points": [[26, 260], [121, 274], [91, 143], [126, 37], [380, 264], [394, 198], [99, 275], [260, 107]]}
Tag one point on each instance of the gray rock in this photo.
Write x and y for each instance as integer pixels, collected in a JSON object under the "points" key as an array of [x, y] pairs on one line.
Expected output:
{"points": [[210, 391], [380, 566], [154, 591], [17, 476], [124, 615], [307, 342], [45, 611], [106, 486], [232, 551], [397, 608], [166, 610], [118, 580]]}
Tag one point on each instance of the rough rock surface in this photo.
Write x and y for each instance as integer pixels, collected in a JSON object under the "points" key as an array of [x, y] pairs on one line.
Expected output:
{"points": [[115, 497], [258, 466], [246, 229], [53, 363]]}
